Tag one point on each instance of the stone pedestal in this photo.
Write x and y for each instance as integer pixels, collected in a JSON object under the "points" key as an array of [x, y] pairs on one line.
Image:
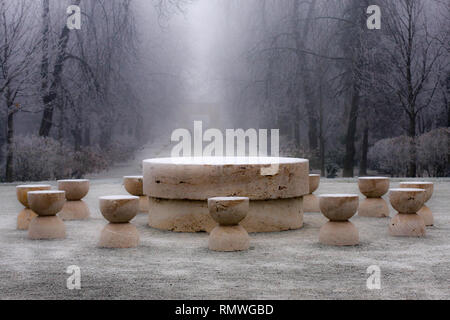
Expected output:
{"points": [[311, 201], [339, 208], [424, 212], [374, 205], [134, 186], [47, 225], [228, 235], [407, 223], [119, 211], [26, 215], [75, 208], [178, 189]]}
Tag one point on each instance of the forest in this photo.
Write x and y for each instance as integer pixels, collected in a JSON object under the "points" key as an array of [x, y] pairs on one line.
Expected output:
{"points": [[353, 100]]}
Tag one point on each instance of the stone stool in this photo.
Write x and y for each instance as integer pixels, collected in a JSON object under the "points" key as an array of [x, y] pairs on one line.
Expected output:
{"points": [[374, 205], [310, 201], [135, 186], [229, 235], [424, 212], [47, 225], [26, 215], [407, 223], [74, 208], [339, 208], [119, 211]]}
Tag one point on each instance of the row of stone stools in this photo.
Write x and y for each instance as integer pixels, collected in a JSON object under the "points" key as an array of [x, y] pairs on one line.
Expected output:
{"points": [[45, 211], [408, 200]]}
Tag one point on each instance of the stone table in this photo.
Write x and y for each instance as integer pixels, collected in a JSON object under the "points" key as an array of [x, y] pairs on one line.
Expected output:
{"points": [[178, 190]]}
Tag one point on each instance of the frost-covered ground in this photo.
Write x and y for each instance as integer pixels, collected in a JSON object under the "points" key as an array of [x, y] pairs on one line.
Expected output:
{"points": [[286, 265]]}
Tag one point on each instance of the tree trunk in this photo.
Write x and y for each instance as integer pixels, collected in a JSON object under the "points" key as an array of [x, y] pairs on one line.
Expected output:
{"points": [[51, 97], [365, 149], [351, 134], [9, 174], [412, 168]]}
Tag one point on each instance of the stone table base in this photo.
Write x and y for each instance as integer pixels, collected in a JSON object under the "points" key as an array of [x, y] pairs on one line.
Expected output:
{"points": [[374, 208], [426, 215], [193, 216], [311, 203], [229, 238], [47, 228], [119, 235]]}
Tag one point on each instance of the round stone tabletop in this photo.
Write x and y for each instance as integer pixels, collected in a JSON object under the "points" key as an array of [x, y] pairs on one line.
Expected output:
{"points": [[258, 178]]}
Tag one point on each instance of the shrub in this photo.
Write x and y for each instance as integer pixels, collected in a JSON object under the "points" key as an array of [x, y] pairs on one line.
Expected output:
{"points": [[392, 155]]}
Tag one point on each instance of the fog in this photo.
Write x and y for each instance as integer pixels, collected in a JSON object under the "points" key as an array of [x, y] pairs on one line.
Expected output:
{"points": [[353, 100]]}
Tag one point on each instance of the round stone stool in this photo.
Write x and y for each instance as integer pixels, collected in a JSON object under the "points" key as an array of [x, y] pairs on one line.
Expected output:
{"points": [[374, 205], [310, 201], [339, 208], [119, 211], [229, 235], [26, 215], [47, 225], [424, 212], [407, 223], [74, 208], [135, 186]]}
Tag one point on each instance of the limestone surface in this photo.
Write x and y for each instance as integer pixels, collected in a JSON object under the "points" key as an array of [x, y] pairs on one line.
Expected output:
{"points": [[228, 239], [339, 207], [407, 225], [374, 208], [75, 210], [119, 209], [203, 178], [23, 190], [193, 216], [46, 228], [119, 235], [424, 212], [24, 218], [339, 233], [314, 181], [47, 202], [228, 211], [373, 187], [76, 189], [134, 185], [407, 200]]}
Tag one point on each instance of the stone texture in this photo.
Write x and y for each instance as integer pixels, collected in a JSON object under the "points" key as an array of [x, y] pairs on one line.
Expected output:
{"points": [[75, 210], [23, 190], [427, 215], [134, 185], [314, 181], [228, 211], [119, 209], [342, 233], [144, 204], [373, 187], [229, 238], [193, 216], [119, 235], [407, 225], [46, 203], [424, 212], [311, 203], [24, 218], [228, 235], [203, 178], [339, 207], [407, 200], [374, 208], [46, 228], [76, 189]]}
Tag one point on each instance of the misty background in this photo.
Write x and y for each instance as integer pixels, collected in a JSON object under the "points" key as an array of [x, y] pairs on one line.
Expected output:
{"points": [[352, 100]]}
